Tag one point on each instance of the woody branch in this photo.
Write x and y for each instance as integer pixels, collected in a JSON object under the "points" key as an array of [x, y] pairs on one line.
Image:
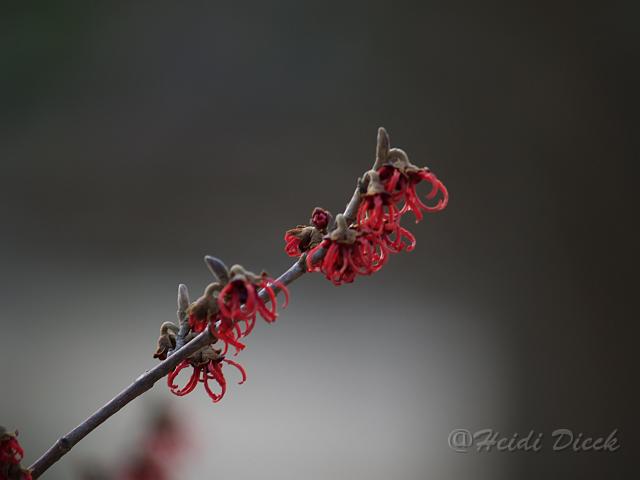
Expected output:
{"points": [[357, 242], [145, 381]]}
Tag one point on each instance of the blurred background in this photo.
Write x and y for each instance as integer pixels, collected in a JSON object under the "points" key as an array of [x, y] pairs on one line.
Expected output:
{"points": [[136, 137]]}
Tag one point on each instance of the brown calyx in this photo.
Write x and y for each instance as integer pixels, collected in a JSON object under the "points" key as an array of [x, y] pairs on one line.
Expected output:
{"points": [[308, 235], [343, 233]]}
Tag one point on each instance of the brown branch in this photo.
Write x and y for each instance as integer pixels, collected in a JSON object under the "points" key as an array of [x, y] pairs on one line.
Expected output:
{"points": [[145, 381]]}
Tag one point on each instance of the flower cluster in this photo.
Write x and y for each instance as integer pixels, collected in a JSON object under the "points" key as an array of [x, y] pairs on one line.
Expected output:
{"points": [[386, 193], [228, 308], [11, 454], [359, 243]]}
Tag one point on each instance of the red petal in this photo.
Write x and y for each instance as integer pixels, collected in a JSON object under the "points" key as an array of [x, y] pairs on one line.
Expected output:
{"points": [[243, 372], [216, 374], [189, 386], [224, 310], [283, 288], [292, 246]]}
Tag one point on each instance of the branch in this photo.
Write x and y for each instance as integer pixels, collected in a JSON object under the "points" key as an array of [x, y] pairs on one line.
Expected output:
{"points": [[145, 381]]}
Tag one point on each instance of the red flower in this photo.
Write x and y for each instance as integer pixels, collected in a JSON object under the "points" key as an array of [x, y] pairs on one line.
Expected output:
{"points": [[292, 243], [304, 237], [239, 299], [300, 239], [203, 373], [11, 454], [377, 206], [347, 252], [400, 178], [412, 200], [10, 449], [320, 218]]}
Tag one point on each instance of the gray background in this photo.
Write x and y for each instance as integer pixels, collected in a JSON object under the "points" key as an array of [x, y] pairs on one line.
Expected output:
{"points": [[137, 137]]}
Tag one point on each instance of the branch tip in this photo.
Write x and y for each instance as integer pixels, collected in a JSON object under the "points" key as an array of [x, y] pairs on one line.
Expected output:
{"points": [[183, 297], [382, 148], [218, 268]]}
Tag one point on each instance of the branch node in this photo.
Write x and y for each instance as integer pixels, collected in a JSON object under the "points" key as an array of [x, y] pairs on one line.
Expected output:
{"points": [[64, 444]]}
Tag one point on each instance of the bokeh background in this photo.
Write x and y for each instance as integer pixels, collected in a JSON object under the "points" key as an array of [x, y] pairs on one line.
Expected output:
{"points": [[137, 137]]}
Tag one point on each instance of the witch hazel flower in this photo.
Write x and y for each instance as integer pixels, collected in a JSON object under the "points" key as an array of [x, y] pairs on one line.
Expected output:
{"points": [[377, 206], [378, 212], [205, 311], [304, 237], [11, 454], [301, 239], [348, 252], [206, 367], [235, 300], [320, 218], [400, 178], [240, 299]]}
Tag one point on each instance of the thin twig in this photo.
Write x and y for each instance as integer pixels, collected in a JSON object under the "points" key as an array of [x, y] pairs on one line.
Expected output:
{"points": [[145, 381]]}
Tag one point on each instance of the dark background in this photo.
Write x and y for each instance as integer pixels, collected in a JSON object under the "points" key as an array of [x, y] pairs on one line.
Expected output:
{"points": [[136, 137]]}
